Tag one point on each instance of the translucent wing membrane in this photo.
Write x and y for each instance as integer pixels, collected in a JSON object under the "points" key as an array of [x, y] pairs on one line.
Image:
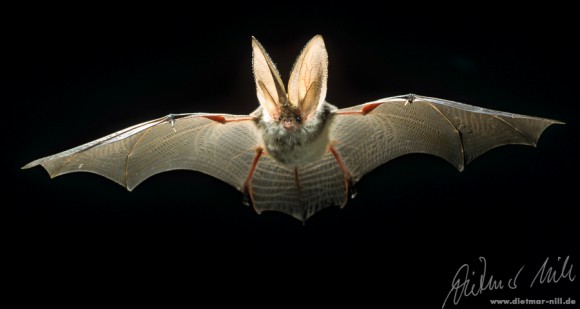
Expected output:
{"points": [[371, 134], [219, 145]]}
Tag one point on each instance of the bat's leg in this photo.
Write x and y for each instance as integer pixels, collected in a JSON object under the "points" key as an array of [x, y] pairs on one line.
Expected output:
{"points": [[349, 183], [352, 191], [248, 194]]}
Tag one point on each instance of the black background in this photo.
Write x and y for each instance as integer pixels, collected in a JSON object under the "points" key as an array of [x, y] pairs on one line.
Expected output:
{"points": [[74, 77]]}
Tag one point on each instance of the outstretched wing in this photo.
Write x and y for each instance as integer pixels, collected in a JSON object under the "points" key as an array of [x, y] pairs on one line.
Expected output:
{"points": [[223, 146], [371, 134]]}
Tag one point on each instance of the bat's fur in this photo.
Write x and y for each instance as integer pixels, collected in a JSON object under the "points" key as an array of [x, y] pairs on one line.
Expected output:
{"points": [[305, 144]]}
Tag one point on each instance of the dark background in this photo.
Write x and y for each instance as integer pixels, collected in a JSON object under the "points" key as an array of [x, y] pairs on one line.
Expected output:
{"points": [[74, 77]]}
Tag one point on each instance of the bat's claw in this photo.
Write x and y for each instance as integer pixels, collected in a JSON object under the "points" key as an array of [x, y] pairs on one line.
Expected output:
{"points": [[409, 97], [171, 119], [246, 199], [352, 191]]}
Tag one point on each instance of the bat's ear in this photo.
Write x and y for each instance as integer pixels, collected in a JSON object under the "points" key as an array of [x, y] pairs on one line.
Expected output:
{"points": [[269, 86], [307, 85]]}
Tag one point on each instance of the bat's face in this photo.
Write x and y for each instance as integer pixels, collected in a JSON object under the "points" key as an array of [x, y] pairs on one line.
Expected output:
{"points": [[293, 123], [289, 119]]}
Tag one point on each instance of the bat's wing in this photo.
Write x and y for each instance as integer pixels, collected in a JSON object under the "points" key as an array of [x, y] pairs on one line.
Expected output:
{"points": [[227, 147], [371, 134], [223, 146]]}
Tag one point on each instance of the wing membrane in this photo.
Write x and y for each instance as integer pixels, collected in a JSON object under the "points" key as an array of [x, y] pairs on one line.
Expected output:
{"points": [[224, 149], [456, 132]]}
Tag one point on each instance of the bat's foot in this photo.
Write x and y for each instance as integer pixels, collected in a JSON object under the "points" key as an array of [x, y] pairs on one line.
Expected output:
{"points": [[246, 200], [352, 191]]}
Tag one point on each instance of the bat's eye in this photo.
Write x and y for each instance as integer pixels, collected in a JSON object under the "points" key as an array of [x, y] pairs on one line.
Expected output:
{"points": [[279, 118], [298, 119]]}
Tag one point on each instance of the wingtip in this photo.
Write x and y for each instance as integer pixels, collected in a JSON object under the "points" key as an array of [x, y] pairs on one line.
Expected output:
{"points": [[36, 162], [552, 121], [29, 165]]}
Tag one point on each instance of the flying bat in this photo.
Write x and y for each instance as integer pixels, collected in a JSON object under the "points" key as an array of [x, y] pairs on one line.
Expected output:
{"points": [[296, 153]]}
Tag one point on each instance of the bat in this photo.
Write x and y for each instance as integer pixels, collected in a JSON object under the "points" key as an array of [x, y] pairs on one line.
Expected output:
{"points": [[296, 153]]}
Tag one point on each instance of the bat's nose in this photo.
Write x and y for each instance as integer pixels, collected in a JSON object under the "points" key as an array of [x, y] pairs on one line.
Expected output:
{"points": [[289, 124]]}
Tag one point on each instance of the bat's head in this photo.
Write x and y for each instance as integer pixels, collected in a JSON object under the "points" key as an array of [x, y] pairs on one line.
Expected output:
{"points": [[302, 105]]}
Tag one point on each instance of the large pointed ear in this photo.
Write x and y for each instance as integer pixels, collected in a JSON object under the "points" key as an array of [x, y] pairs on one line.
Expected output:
{"points": [[269, 86], [307, 85]]}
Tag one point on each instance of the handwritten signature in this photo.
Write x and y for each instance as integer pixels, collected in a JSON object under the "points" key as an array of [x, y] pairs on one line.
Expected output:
{"points": [[465, 283]]}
